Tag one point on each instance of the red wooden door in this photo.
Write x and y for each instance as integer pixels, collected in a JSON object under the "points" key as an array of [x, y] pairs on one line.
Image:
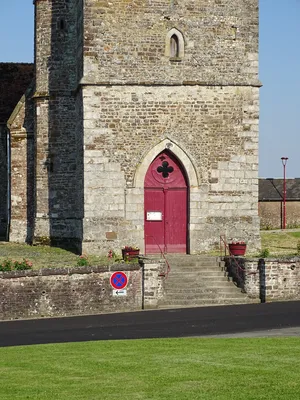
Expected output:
{"points": [[166, 194]]}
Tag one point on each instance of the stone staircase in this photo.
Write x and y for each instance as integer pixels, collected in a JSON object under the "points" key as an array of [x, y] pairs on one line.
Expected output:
{"points": [[195, 281]]}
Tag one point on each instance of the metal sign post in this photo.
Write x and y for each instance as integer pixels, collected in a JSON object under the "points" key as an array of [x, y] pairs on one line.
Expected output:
{"points": [[284, 161]]}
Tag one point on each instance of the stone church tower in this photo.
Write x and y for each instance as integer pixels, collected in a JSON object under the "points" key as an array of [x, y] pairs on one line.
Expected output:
{"points": [[146, 124]]}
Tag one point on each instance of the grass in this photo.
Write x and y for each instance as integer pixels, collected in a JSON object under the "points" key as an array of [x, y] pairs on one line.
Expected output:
{"points": [[278, 243], [281, 243], [295, 234], [217, 369], [45, 256]]}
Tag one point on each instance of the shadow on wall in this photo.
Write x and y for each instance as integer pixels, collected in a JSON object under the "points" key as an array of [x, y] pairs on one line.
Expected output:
{"points": [[236, 270], [64, 162], [3, 182]]}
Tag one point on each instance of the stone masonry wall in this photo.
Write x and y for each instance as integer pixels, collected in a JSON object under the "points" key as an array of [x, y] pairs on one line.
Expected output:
{"points": [[3, 180], [58, 292], [282, 279], [14, 81], [58, 172], [204, 102], [271, 214], [21, 125], [56, 46], [216, 129], [59, 168], [154, 275], [93, 134], [125, 42]]}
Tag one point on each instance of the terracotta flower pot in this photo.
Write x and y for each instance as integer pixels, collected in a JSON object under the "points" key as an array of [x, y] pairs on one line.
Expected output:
{"points": [[237, 249]]}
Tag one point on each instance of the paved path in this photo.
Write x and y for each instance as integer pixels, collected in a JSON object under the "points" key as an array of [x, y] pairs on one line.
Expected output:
{"points": [[283, 332], [252, 319]]}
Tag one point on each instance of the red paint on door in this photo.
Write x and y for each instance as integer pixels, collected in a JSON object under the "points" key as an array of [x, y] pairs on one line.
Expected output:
{"points": [[166, 193]]}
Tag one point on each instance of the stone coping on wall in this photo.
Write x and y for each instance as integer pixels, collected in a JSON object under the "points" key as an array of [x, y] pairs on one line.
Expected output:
{"points": [[69, 270]]}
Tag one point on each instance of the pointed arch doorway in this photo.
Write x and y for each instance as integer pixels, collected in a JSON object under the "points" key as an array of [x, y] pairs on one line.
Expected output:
{"points": [[166, 210]]}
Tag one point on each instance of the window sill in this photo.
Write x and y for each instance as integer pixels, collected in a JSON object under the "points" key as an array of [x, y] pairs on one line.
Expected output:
{"points": [[175, 59]]}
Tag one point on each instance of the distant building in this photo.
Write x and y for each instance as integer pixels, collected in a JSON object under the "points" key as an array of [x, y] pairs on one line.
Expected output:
{"points": [[271, 203], [15, 79]]}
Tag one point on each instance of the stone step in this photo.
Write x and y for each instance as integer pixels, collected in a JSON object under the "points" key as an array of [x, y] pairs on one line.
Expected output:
{"points": [[199, 301], [202, 286], [195, 264], [177, 260], [203, 289], [182, 257], [188, 275], [205, 292], [196, 274], [195, 267], [199, 281], [204, 268], [207, 302], [194, 281]]}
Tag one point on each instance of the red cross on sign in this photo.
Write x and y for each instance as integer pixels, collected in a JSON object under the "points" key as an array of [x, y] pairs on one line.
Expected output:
{"points": [[118, 280]]}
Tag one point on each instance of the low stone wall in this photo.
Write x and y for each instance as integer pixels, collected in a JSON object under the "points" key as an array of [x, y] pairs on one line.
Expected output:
{"points": [[154, 273], [267, 279], [58, 292]]}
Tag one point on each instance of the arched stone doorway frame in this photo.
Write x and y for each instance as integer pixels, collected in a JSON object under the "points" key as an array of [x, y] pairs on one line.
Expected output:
{"points": [[136, 193], [178, 152]]}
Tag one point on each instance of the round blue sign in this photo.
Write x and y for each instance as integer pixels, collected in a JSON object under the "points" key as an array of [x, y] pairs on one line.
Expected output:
{"points": [[118, 280]]}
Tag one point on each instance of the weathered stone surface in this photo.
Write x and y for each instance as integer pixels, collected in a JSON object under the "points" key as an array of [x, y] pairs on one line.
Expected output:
{"points": [[21, 126], [271, 214], [49, 293], [55, 292], [176, 114], [14, 80], [3, 185], [154, 275], [110, 95], [280, 279], [125, 42]]}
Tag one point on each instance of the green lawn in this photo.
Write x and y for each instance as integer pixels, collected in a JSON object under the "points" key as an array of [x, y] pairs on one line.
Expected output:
{"points": [[46, 256], [160, 369], [281, 243]]}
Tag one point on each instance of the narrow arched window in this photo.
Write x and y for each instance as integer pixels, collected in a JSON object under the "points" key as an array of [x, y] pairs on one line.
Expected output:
{"points": [[174, 45], [61, 25]]}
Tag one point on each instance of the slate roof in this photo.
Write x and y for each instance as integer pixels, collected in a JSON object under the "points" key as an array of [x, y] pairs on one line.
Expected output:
{"points": [[271, 189], [14, 80]]}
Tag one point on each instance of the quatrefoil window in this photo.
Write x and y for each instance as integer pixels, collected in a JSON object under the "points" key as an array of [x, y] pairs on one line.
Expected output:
{"points": [[164, 169]]}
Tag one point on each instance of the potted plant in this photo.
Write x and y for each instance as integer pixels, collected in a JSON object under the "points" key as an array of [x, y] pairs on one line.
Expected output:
{"points": [[130, 252], [237, 248]]}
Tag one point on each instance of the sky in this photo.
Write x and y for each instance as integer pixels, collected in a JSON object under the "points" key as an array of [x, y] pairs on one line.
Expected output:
{"points": [[279, 73]]}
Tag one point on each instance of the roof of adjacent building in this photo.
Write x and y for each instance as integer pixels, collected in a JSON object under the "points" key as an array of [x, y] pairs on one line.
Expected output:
{"points": [[271, 189], [14, 80]]}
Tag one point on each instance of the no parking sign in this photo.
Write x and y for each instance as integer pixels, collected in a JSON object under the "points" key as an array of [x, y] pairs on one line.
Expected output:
{"points": [[118, 280]]}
